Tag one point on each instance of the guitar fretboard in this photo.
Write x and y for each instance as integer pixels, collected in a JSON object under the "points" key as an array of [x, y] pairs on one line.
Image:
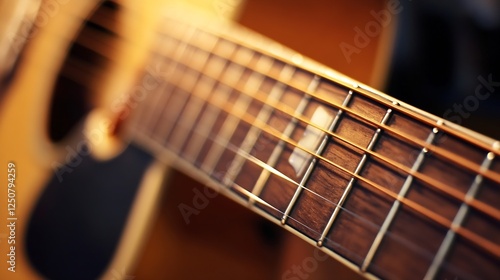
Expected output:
{"points": [[394, 191]]}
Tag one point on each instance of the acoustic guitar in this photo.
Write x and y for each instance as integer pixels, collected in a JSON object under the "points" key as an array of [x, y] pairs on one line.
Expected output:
{"points": [[103, 97]]}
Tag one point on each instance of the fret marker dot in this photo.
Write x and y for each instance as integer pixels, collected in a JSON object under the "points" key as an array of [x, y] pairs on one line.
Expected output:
{"points": [[491, 156], [496, 145]]}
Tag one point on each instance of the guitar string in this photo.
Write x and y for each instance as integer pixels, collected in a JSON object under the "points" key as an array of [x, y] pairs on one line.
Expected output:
{"points": [[215, 138], [232, 110], [485, 208], [454, 193], [474, 167], [437, 150], [452, 157], [230, 35]]}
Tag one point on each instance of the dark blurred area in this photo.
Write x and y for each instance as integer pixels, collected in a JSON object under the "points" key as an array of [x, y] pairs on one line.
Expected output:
{"points": [[444, 51]]}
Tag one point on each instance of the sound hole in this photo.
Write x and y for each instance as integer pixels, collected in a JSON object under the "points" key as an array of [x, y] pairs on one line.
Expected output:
{"points": [[80, 74]]}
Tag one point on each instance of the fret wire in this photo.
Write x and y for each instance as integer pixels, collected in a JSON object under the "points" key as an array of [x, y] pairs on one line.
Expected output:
{"points": [[311, 166], [464, 232], [195, 145], [135, 116], [278, 150], [229, 34], [457, 221], [424, 178], [395, 206], [142, 115], [145, 138], [236, 166], [347, 190], [160, 102], [204, 94], [485, 245], [163, 129], [404, 136], [417, 207], [231, 122], [409, 138], [433, 182], [208, 122], [287, 72], [257, 199]]}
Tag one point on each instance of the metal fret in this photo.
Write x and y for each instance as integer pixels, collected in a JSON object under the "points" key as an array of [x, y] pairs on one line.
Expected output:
{"points": [[254, 132], [278, 150], [458, 220], [162, 98], [273, 158], [205, 125], [397, 203], [166, 128], [311, 166], [231, 122], [200, 99], [351, 182], [143, 116]]}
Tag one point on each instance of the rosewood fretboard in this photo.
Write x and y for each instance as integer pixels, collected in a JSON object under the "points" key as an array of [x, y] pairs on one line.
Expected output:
{"points": [[393, 191]]}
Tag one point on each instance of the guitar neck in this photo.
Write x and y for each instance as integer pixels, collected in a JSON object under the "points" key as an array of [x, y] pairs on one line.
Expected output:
{"points": [[390, 190]]}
